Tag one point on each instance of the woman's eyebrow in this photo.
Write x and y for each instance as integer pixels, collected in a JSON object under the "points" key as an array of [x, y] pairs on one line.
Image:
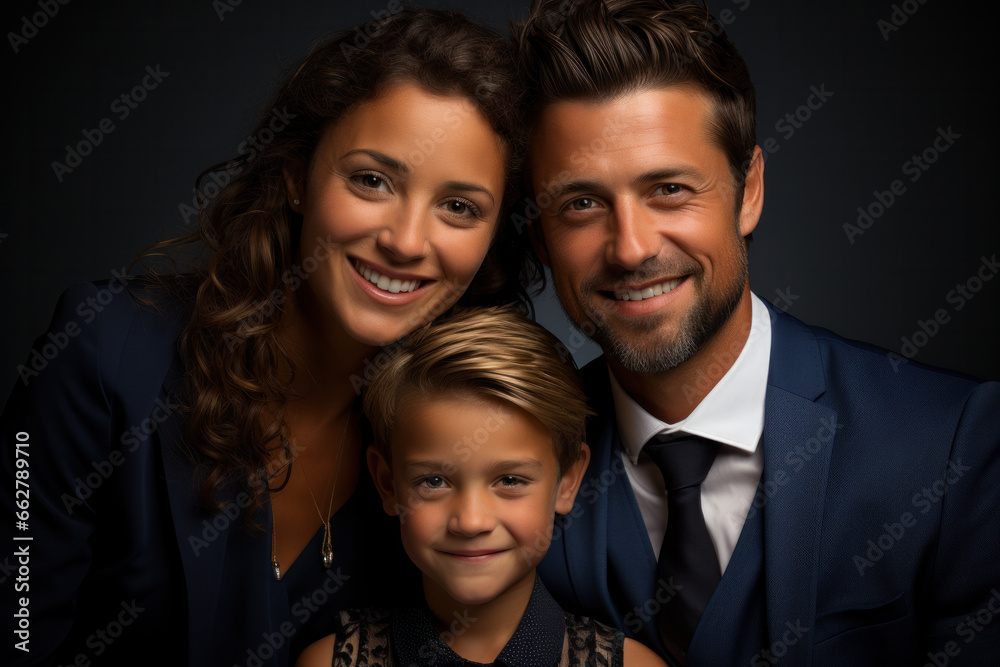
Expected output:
{"points": [[469, 187], [381, 158]]}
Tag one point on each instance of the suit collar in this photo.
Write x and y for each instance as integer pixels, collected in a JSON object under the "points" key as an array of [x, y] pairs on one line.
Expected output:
{"points": [[796, 364]]}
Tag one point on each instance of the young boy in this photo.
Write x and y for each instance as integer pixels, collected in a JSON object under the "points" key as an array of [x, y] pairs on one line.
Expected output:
{"points": [[478, 422]]}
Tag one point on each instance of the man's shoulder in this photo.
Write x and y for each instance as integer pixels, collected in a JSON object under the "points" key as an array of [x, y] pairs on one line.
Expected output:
{"points": [[858, 376], [842, 355]]}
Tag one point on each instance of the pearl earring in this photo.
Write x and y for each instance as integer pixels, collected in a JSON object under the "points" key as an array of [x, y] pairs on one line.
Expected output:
{"points": [[295, 201]]}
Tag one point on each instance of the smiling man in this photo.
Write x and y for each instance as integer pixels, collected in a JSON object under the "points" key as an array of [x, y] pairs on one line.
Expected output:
{"points": [[759, 489]]}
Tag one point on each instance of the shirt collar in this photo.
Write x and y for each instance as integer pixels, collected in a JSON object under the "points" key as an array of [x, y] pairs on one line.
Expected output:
{"points": [[537, 641], [733, 411]]}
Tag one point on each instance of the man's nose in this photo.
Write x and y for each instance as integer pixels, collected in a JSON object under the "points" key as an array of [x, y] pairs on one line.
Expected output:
{"points": [[635, 236]]}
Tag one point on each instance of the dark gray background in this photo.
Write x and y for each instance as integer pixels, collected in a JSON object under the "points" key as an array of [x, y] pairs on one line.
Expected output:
{"points": [[889, 98]]}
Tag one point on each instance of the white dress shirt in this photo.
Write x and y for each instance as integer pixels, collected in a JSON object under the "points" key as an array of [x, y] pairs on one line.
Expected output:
{"points": [[733, 414]]}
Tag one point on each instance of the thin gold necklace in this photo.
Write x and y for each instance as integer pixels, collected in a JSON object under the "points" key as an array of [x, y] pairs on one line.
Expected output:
{"points": [[327, 549]]}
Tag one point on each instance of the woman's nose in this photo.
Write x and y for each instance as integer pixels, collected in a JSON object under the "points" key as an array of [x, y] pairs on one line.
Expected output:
{"points": [[405, 237]]}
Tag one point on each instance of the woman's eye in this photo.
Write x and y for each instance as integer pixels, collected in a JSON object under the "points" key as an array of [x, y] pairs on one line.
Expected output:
{"points": [[461, 208], [371, 181]]}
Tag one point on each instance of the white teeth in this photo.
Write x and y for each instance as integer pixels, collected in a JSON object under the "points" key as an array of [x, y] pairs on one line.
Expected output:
{"points": [[647, 293], [391, 285]]}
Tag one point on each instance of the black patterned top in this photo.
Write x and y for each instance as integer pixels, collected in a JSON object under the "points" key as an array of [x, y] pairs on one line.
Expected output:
{"points": [[546, 637]]}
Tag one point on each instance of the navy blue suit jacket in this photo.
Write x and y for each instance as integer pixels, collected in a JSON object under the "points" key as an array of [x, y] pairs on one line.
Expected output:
{"points": [[122, 566], [878, 517]]}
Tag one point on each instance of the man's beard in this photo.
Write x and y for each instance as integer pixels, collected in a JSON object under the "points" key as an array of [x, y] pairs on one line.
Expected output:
{"points": [[658, 354]]}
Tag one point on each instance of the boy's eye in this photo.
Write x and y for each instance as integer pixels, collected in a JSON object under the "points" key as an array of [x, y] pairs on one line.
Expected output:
{"points": [[434, 481], [510, 481]]}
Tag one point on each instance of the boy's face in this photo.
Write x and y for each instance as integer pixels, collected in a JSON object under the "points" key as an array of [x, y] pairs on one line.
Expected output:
{"points": [[476, 485]]}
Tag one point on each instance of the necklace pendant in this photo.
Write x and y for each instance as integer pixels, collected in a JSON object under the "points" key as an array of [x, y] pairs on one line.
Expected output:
{"points": [[277, 569], [327, 557]]}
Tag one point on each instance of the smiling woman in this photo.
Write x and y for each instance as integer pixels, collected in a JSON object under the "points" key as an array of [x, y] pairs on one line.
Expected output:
{"points": [[410, 226], [236, 520]]}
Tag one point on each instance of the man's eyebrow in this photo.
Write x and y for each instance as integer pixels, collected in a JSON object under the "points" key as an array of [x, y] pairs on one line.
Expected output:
{"points": [[668, 174], [569, 187], [381, 158], [557, 190]]}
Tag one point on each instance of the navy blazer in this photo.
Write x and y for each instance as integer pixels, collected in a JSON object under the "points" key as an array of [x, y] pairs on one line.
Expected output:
{"points": [[877, 515], [122, 566]]}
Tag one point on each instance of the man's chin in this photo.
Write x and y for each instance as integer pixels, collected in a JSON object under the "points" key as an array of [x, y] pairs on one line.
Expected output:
{"points": [[657, 351]]}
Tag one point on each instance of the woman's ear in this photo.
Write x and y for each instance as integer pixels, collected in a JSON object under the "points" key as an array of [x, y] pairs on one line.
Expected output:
{"points": [[570, 481], [294, 173], [381, 473]]}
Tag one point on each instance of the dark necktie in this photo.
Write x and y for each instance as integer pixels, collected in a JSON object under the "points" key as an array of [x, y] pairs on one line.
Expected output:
{"points": [[688, 562]]}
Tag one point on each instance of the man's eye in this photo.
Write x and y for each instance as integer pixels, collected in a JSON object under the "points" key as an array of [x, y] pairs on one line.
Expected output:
{"points": [[669, 189], [433, 482], [582, 204]]}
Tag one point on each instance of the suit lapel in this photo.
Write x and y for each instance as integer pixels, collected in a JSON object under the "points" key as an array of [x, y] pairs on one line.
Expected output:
{"points": [[797, 441], [586, 546], [614, 551], [152, 371], [631, 562], [738, 602], [201, 545]]}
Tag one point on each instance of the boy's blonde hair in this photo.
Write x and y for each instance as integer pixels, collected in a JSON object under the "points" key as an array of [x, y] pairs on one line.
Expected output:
{"points": [[492, 353]]}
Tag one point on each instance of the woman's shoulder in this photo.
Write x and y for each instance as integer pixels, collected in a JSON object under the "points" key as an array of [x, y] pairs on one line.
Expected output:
{"points": [[97, 328], [360, 637], [590, 642], [355, 618], [104, 306], [588, 637]]}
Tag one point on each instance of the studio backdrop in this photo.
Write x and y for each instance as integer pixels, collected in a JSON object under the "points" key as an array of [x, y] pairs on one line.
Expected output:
{"points": [[875, 119]]}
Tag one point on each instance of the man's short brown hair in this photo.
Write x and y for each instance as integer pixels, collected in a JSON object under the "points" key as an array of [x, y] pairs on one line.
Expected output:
{"points": [[597, 50]]}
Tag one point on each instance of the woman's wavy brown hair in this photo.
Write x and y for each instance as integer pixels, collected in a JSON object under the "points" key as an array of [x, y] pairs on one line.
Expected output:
{"points": [[229, 348]]}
